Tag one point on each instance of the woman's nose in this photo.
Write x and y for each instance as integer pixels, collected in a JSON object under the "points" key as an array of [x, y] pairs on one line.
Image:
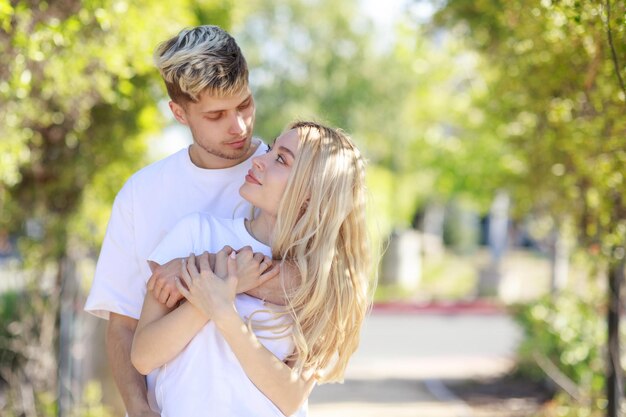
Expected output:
{"points": [[257, 162]]}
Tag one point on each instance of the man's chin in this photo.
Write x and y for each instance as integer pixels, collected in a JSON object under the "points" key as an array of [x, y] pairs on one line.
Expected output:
{"points": [[237, 153]]}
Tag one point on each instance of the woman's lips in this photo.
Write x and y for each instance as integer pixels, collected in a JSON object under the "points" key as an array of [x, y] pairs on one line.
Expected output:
{"points": [[251, 178]]}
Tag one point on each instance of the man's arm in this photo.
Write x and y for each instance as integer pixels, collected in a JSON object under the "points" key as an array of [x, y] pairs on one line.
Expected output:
{"points": [[256, 272], [130, 383], [272, 289]]}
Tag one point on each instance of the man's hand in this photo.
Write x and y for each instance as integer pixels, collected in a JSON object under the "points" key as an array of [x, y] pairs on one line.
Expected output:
{"points": [[162, 283], [253, 269], [272, 290]]}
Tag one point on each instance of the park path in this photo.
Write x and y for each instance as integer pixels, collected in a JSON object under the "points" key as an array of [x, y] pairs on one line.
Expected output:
{"points": [[407, 355]]}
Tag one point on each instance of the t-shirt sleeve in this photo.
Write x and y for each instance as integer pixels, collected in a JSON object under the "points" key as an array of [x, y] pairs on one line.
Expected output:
{"points": [[118, 286], [181, 241]]}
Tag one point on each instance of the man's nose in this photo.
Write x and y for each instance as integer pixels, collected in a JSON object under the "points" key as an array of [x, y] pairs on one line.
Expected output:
{"points": [[238, 125]]}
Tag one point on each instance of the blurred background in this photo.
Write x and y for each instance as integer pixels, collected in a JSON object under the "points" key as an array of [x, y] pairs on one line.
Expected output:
{"points": [[496, 138]]}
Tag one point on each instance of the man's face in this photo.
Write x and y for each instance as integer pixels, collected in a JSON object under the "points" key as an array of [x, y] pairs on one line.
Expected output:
{"points": [[221, 128]]}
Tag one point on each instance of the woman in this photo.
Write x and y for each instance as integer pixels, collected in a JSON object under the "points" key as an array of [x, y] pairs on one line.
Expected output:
{"points": [[222, 354]]}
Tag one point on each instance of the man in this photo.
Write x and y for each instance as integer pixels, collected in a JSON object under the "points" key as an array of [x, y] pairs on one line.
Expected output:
{"points": [[206, 77]]}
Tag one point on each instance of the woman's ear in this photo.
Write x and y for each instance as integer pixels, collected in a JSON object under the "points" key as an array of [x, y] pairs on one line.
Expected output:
{"points": [[305, 206]]}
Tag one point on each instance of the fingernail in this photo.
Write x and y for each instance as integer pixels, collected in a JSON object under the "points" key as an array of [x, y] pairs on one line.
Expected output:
{"points": [[233, 255]]}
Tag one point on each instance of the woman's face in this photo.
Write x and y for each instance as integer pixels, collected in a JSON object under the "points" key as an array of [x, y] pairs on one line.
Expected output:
{"points": [[266, 181]]}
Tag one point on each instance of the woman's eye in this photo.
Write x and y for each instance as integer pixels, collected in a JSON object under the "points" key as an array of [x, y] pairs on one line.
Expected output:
{"points": [[280, 159]]}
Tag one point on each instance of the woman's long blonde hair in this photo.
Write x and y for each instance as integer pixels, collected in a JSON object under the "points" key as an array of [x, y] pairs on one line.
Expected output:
{"points": [[321, 228]]}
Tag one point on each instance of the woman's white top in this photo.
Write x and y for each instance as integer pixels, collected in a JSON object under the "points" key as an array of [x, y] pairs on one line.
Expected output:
{"points": [[206, 379]]}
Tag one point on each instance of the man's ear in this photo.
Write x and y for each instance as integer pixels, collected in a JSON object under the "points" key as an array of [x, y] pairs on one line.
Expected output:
{"points": [[153, 265], [179, 112]]}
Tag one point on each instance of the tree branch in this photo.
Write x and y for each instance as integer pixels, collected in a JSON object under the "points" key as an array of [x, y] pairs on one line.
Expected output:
{"points": [[612, 45], [559, 378]]}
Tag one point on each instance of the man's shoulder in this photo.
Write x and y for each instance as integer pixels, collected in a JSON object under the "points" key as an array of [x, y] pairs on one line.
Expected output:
{"points": [[149, 177], [171, 162], [200, 225]]}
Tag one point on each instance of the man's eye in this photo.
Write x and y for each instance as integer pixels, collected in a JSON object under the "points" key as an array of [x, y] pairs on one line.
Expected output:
{"points": [[214, 116]]}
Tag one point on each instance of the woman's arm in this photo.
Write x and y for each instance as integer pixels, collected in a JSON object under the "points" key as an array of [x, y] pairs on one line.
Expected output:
{"points": [[163, 332], [274, 378], [215, 296]]}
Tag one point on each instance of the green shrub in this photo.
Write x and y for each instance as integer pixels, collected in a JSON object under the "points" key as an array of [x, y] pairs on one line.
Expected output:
{"points": [[570, 332]]}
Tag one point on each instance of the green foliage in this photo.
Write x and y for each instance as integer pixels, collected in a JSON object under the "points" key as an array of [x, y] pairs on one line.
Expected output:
{"points": [[27, 350], [395, 99], [555, 100], [303, 67], [569, 331], [78, 102], [79, 95], [92, 402], [461, 230]]}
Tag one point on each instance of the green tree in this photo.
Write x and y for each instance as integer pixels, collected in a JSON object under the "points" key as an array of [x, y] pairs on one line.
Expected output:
{"points": [[78, 96], [556, 97], [336, 68]]}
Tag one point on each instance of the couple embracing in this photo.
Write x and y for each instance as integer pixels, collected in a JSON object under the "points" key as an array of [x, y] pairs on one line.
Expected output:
{"points": [[233, 274]]}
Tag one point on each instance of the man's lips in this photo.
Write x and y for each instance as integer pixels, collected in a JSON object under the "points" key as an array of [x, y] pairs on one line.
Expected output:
{"points": [[237, 144], [251, 178]]}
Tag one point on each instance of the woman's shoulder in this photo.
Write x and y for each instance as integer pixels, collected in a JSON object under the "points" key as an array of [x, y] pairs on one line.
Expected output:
{"points": [[206, 218]]}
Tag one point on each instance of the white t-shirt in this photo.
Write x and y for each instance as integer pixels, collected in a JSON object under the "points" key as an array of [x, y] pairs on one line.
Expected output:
{"points": [[151, 202], [206, 379]]}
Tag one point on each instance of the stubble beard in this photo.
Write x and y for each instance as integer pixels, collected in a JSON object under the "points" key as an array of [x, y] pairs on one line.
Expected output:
{"points": [[234, 154]]}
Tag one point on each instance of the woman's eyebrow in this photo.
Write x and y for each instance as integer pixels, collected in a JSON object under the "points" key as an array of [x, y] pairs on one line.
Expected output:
{"points": [[287, 150]]}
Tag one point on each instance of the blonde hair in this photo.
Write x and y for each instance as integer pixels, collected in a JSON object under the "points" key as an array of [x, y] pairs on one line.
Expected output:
{"points": [[204, 58], [321, 228]]}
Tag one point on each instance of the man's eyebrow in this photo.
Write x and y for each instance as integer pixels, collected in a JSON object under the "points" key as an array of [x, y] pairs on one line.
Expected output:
{"points": [[221, 110]]}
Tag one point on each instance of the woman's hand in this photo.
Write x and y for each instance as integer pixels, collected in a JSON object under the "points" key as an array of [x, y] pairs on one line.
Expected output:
{"points": [[212, 295]]}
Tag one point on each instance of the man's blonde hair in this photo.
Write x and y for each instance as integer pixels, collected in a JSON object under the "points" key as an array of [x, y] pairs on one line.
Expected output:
{"points": [[321, 228], [201, 59]]}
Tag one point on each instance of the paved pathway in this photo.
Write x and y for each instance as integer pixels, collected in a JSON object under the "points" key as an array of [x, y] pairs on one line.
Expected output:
{"points": [[405, 358]]}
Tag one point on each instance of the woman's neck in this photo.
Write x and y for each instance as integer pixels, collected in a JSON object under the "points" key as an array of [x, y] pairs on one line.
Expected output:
{"points": [[261, 227]]}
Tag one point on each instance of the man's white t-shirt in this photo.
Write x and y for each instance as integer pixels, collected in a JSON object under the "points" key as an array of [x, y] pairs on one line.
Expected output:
{"points": [[206, 379], [151, 202]]}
